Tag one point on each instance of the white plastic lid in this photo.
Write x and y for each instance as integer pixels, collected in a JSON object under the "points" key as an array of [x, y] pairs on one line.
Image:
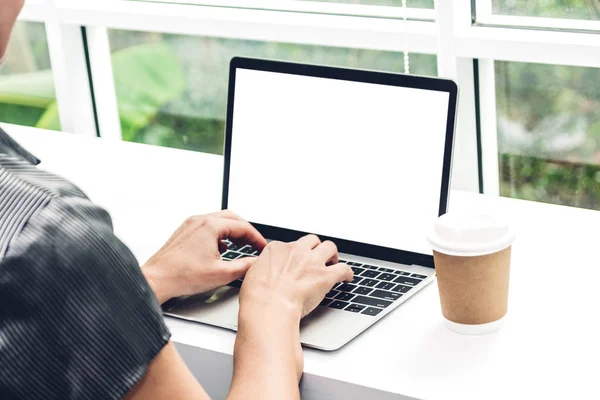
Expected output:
{"points": [[470, 234]]}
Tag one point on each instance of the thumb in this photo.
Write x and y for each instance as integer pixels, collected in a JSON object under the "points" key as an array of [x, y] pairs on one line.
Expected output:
{"points": [[339, 273], [239, 267]]}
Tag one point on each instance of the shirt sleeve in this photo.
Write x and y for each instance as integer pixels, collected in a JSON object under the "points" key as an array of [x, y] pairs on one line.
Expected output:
{"points": [[77, 318]]}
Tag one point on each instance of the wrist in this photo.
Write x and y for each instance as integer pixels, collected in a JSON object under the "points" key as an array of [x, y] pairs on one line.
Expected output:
{"points": [[272, 333], [263, 311], [158, 282]]}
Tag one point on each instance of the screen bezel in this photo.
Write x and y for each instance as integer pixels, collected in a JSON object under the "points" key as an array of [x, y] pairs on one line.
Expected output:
{"points": [[382, 78]]}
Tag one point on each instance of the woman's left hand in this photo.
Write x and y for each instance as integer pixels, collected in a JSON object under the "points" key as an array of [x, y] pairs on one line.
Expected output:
{"points": [[190, 262]]}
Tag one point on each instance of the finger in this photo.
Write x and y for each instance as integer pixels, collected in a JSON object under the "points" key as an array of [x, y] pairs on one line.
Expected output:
{"points": [[339, 273], [226, 214], [309, 241], [222, 247], [239, 231], [327, 252], [237, 269]]}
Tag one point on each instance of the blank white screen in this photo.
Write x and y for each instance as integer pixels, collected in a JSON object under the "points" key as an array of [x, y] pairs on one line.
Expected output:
{"points": [[351, 160]]}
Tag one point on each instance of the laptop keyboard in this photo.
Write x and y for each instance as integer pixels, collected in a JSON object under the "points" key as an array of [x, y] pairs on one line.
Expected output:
{"points": [[372, 290]]}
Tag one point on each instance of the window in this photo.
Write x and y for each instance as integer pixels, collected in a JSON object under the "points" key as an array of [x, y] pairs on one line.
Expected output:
{"points": [[549, 133], [26, 82], [572, 9], [172, 89], [159, 70]]}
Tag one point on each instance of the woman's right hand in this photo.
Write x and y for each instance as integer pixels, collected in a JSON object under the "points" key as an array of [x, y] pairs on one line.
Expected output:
{"points": [[285, 283], [296, 275]]}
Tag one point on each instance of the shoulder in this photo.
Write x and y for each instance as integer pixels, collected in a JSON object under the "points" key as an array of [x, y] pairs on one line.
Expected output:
{"points": [[72, 239], [76, 307]]}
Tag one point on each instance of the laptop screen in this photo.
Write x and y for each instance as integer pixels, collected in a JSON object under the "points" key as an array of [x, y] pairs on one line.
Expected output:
{"points": [[351, 160]]}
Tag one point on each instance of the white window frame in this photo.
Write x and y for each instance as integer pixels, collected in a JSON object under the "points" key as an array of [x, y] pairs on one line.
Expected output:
{"points": [[447, 31], [316, 7]]}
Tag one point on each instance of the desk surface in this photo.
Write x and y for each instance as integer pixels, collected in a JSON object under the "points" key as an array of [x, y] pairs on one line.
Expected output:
{"points": [[548, 348]]}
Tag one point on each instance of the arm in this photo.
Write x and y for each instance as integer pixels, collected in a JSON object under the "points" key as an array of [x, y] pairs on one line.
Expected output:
{"points": [[268, 359], [168, 377]]}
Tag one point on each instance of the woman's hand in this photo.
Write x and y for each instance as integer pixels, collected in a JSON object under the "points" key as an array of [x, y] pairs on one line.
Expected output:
{"points": [[190, 262], [286, 282], [296, 274]]}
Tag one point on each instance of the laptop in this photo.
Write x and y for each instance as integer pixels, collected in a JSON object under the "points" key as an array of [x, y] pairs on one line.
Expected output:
{"points": [[357, 157]]}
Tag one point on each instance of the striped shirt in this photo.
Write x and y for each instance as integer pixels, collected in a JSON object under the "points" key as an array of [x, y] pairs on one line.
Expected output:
{"points": [[77, 318]]}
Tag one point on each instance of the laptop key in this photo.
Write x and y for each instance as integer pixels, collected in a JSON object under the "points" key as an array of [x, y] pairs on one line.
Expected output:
{"points": [[346, 287], [370, 274], [230, 255], [233, 247], [332, 293], [342, 261], [397, 272], [353, 264], [369, 266], [337, 304], [386, 277], [248, 250], [344, 296], [402, 289], [369, 282], [386, 269], [355, 308], [362, 290], [404, 273], [418, 276], [382, 294], [356, 279], [385, 285], [325, 302], [372, 311], [357, 270], [405, 280], [369, 301]]}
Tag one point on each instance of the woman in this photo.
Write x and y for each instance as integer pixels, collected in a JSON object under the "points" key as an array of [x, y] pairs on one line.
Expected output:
{"points": [[80, 320]]}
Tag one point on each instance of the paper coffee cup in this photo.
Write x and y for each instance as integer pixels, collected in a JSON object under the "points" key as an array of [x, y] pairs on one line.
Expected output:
{"points": [[472, 261]]}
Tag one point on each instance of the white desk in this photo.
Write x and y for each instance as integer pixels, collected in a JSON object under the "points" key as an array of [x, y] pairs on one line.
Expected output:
{"points": [[549, 347]]}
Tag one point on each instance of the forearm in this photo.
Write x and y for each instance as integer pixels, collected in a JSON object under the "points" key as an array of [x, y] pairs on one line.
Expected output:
{"points": [[267, 356]]}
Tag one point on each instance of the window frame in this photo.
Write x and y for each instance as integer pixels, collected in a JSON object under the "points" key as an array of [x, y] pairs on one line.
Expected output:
{"points": [[316, 7], [450, 31]]}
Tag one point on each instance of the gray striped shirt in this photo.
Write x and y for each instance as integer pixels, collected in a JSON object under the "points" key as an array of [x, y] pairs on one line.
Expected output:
{"points": [[77, 318]]}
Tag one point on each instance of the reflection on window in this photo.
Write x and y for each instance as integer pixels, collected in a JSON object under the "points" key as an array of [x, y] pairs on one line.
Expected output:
{"points": [[172, 89], [26, 82], [549, 133], [397, 3], [572, 9]]}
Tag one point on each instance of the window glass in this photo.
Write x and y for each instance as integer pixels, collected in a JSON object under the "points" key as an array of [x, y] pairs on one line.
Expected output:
{"points": [[549, 133], [172, 89], [26, 81], [571, 9]]}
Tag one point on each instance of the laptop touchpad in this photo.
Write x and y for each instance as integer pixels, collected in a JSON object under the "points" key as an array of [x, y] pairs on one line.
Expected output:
{"points": [[218, 307]]}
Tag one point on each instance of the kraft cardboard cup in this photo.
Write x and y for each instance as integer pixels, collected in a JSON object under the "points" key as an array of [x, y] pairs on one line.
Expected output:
{"points": [[472, 261]]}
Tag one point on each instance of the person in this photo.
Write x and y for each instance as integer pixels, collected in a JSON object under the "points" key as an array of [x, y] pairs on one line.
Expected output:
{"points": [[79, 319]]}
